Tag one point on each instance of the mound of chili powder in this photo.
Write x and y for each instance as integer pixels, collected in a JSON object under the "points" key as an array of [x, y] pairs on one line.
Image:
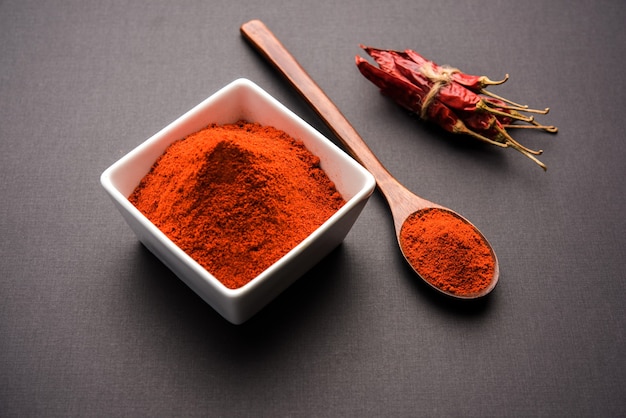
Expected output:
{"points": [[447, 251], [237, 197]]}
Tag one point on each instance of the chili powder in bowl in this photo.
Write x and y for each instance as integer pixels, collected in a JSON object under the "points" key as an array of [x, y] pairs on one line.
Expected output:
{"points": [[239, 197]]}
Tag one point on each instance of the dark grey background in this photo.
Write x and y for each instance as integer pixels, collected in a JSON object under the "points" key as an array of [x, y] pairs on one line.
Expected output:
{"points": [[92, 324]]}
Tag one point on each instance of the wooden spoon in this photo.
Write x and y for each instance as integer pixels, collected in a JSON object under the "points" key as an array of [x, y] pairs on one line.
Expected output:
{"points": [[403, 202]]}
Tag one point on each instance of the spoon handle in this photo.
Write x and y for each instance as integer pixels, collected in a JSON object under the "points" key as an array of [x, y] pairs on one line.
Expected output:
{"points": [[268, 45]]}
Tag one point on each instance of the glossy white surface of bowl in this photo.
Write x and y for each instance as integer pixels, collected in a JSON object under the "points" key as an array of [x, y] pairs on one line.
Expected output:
{"points": [[241, 99]]}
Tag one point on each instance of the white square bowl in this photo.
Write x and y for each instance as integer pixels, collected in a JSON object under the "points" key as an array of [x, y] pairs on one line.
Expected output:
{"points": [[241, 99]]}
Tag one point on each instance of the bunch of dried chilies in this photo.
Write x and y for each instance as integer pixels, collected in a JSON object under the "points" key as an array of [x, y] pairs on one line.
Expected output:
{"points": [[457, 102]]}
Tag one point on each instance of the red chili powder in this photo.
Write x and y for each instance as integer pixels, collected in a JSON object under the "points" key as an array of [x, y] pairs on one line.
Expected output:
{"points": [[447, 252], [237, 197]]}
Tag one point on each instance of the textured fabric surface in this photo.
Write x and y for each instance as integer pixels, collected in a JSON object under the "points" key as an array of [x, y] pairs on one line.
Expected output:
{"points": [[92, 324]]}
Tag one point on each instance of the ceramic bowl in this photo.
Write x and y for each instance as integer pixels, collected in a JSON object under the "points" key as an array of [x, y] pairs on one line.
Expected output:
{"points": [[241, 99]]}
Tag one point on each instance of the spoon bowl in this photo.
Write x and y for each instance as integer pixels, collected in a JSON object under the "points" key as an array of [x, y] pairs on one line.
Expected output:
{"points": [[403, 203]]}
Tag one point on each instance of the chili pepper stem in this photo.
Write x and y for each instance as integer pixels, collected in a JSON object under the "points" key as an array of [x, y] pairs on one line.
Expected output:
{"points": [[460, 128], [509, 139], [510, 142], [482, 105], [551, 128], [520, 109], [485, 81], [521, 149], [495, 96], [538, 111], [535, 125]]}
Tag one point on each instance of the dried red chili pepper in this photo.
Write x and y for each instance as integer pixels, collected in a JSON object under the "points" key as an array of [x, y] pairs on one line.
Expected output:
{"points": [[386, 59], [483, 125], [453, 94], [475, 83], [411, 97], [481, 114]]}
